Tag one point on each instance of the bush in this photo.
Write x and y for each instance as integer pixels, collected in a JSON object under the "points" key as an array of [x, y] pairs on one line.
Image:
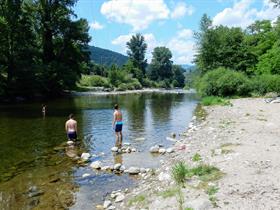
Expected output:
{"points": [[179, 172], [224, 82], [131, 84], [214, 100], [148, 83], [94, 81], [265, 83]]}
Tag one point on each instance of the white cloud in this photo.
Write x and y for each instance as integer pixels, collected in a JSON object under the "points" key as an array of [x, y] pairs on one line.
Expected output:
{"points": [[185, 33], [181, 45], [138, 14], [181, 9], [96, 25], [242, 15]]}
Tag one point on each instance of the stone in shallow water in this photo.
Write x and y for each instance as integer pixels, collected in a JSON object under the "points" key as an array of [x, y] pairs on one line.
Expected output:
{"points": [[85, 175], [161, 150], [154, 149], [114, 149], [133, 170], [106, 204], [70, 143], [117, 166], [95, 165], [170, 150], [85, 156]]}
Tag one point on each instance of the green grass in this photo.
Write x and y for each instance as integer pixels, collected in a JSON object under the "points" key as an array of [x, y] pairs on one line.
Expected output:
{"points": [[189, 208], [136, 199], [196, 157], [207, 173], [215, 100], [179, 172], [212, 190], [169, 193]]}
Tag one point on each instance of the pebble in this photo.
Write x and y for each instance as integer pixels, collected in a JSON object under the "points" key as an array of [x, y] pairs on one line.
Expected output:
{"points": [[170, 150], [119, 198], [70, 143]]}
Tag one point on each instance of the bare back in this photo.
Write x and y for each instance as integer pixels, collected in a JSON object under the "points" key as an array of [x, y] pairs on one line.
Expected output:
{"points": [[118, 115], [71, 125]]}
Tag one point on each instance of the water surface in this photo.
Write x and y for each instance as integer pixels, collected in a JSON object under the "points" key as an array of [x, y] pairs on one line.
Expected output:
{"points": [[32, 160]]}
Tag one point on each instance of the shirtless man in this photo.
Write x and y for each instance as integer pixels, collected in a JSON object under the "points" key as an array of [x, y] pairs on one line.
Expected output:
{"points": [[71, 128], [117, 125]]}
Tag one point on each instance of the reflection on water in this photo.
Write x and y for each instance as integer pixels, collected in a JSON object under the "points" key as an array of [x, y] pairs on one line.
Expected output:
{"points": [[32, 158]]}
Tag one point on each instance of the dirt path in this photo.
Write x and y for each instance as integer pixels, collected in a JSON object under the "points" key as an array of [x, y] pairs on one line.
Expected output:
{"points": [[243, 142]]}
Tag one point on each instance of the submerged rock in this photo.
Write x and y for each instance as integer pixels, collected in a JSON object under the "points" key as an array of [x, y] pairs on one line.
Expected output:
{"points": [[85, 175], [173, 135], [69, 143], [95, 165], [154, 149]]}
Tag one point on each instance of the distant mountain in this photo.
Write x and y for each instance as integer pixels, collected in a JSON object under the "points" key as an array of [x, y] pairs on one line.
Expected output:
{"points": [[106, 57], [188, 67]]}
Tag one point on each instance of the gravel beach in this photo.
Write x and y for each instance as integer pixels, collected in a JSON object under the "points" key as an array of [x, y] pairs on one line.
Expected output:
{"points": [[242, 141]]}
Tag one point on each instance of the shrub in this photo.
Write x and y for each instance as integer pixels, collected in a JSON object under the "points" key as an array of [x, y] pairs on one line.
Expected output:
{"points": [[94, 81], [265, 83], [179, 172], [214, 100], [223, 82]]}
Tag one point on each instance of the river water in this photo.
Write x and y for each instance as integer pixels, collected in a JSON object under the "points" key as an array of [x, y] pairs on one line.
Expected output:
{"points": [[35, 171]]}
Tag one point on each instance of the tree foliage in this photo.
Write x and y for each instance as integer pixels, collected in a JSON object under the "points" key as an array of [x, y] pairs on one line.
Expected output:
{"points": [[136, 52], [42, 49]]}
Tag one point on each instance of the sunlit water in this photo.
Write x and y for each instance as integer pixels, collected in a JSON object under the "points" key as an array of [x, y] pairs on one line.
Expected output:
{"points": [[30, 162]]}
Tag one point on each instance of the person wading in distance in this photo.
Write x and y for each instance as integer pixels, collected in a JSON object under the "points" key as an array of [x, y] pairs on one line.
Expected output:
{"points": [[117, 125], [71, 128]]}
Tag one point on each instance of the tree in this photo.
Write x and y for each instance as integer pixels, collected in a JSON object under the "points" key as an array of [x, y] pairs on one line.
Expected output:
{"points": [[136, 52], [17, 46], [179, 77], [134, 71], [161, 65]]}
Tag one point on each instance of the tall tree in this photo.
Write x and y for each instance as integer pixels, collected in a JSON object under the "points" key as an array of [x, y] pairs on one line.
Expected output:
{"points": [[161, 64], [136, 52]]}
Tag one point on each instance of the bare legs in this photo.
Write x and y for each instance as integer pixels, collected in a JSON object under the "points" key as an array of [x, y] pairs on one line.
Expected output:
{"points": [[119, 139]]}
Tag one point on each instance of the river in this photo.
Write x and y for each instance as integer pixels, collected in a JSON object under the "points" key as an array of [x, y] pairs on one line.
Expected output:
{"points": [[36, 173]]}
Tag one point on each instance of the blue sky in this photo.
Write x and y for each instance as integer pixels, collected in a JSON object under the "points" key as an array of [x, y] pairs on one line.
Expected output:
{"points": [[168, 23]]}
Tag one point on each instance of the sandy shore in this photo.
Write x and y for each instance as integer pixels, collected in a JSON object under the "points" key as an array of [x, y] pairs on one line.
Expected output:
{"points": [[241, 140]]}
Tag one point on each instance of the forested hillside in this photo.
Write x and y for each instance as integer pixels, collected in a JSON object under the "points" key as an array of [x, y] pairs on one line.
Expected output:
{"points": [[106, 57]]}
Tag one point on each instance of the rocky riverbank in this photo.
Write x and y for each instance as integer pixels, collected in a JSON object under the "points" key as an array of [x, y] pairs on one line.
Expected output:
{"points": [[241, 141], [144, 90]]}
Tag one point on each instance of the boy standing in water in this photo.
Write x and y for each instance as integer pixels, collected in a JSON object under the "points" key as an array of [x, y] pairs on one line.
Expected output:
{"points": [[71, 128], [117, 125]]}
